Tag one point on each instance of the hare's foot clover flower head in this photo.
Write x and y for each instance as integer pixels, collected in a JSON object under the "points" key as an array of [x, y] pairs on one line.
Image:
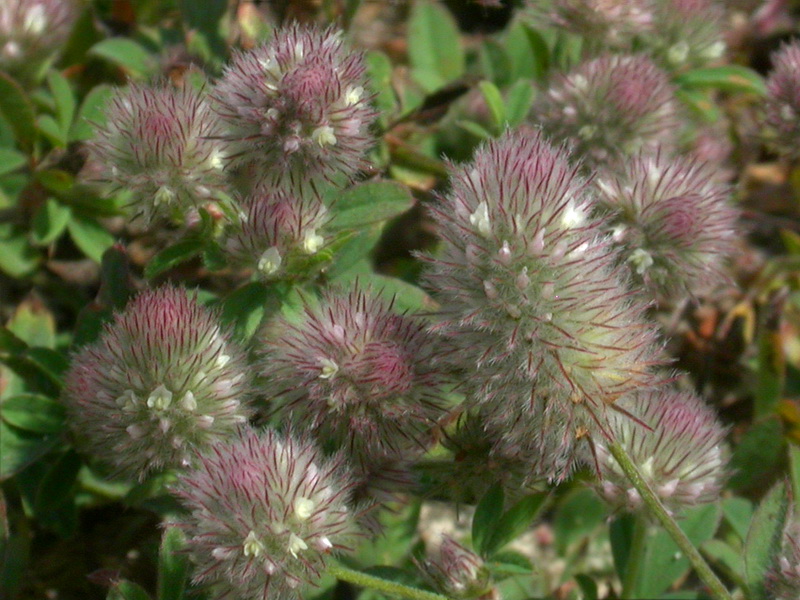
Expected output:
{"points": [[672, 220], [783, 579], [457, 572], [613, 22], [163, 144], [609, 108], [782, 107], [531, 299], [682, 457], [31, 31], [297, 108], [265, 513], [162, 380], [357, 373], [278, 230], [685, 33]]}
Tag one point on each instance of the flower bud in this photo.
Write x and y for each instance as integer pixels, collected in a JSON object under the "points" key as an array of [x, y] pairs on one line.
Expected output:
{"points": [[277, 232], [296, 108], [682, 457], [675, 224], [783, 578], [457, 572], [162, 380], [265, 511], [163, 144], [548, 335], [357, 374], [609, 108], [782, 106], [31, 31]]}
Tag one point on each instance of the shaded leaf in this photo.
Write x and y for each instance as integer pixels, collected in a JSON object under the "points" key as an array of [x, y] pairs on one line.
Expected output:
{"points": [[764, 539], [369, 203], [17, 108], [125, 53], [173, 565], [487, 516], [434, 45], [90, 237], [33, 412]]}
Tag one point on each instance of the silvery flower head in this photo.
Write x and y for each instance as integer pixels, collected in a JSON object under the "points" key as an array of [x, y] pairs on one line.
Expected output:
{"points": [[682, 457], [609, 108], [782, 106], [531, 298], [296, 108], [612, 22], [265, 512], [457, 572], [672, 220], [162, 380], [357, 373], [163, 145], [278, 233], [783, 578], [31, 31]]}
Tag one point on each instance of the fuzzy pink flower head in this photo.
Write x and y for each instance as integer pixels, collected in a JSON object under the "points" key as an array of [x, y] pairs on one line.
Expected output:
{"points": [[531, 299], [266, 511], [296, 108], [673, 221], [279, 233], [457, 572], [163, 380], [685, 34], [356, 373], [609, 108], [683, 458], [783, 578], [615, 22], [163, 144], [31, 31], [782, 107]]}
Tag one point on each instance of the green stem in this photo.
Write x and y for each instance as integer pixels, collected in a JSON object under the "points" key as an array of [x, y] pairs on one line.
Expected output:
{"points": [[391, 588], [635, 556], [657, 509]]}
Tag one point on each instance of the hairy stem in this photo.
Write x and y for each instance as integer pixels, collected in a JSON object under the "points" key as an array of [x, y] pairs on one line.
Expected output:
{"points": [[390, 588], [657, 509], [635, 557]]}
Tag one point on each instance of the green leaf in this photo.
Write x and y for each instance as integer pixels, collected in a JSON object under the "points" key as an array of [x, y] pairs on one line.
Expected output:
{"points": [[57, 486], [738, 513], [663, 562], [620, 534], [125, 53], [19, 449], [794, 470], [578, 515], [434, 46], [57, 181], [64, 100], [370, 203], [515, 522], [52, 131], [33, 412], [518, 102], [495, 63], [479, 131], [764, 539], [127, 590], [245, 307], [172, 256], [50, 222], [92, 111], [728, 78], [487, 516], [11, 160], [50, 363], [379, 70], [205, 17], [701, 103], [494, 100], [725, 558], [17, 257], [33, 323], [173, 566], [528, 52], [90, 237], [406, 296], [353, 256], [757, 455], [17, 108], [588, 586]]}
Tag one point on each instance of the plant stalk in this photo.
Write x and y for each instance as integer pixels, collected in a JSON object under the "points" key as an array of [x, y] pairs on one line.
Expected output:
{"points": [[635, 557], [391, 588], [657, 509]]}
